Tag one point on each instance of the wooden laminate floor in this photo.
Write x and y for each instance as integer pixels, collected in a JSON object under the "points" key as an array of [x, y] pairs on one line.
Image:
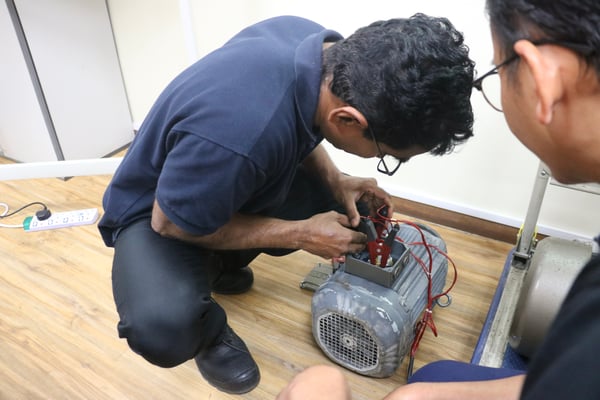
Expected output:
{"points": [[58, 336]]}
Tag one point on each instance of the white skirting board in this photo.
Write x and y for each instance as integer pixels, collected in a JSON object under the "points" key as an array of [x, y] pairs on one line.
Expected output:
{"points": [[59, 169], [479, 213]]}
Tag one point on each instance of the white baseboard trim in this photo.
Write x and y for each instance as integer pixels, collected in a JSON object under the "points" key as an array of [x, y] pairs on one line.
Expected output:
{"points": [[479, 213], [59, 169]]}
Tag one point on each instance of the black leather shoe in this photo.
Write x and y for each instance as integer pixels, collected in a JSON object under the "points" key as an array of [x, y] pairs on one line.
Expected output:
{"points": [[232, 280], [228, 365]]}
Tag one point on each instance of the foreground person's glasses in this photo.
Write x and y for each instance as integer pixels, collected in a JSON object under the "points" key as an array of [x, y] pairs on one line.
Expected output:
{"points": [[489, 83]]}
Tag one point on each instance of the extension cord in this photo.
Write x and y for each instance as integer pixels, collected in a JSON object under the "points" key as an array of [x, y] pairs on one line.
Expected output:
{"points": [[61, 220]]}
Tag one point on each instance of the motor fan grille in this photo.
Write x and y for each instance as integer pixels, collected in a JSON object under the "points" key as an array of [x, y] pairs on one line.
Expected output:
{"points": [[348, 342]]}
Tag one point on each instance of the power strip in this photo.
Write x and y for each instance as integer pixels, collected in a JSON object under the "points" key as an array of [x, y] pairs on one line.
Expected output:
{"points": [[61, 220]]}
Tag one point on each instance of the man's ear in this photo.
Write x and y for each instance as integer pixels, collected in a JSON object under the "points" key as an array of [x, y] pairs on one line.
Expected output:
{"points": [[346, 116], [546, 75]]}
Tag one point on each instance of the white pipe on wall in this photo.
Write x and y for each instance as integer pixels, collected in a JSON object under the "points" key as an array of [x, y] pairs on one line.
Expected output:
{"points": [[187, 21]]}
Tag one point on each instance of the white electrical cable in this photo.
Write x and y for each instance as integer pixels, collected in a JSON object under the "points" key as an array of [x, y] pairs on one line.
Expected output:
{"points": [[3, 214]]}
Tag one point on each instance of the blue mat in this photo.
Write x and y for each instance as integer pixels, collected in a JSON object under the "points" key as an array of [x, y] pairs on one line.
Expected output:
{"points": [[511, 358]]}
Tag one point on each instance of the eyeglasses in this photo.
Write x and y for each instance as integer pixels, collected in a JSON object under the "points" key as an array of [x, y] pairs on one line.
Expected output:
{"points": [[490, 88], [382, 165]]}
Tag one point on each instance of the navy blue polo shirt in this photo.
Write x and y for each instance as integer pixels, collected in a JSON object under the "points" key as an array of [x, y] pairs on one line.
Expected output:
{"points": [[227, 134]]}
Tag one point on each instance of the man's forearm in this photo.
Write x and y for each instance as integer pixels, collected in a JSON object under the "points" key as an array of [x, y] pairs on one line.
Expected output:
{"points": [[327, 234], [252, 232], [494, 389], [241, 232]]}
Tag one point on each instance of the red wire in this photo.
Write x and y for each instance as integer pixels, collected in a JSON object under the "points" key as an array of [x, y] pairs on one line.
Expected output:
{"points": [[427, 318], [445, 293]]}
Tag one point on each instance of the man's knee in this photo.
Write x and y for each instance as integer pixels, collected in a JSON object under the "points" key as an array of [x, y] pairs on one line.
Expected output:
{"points": [[170, 334]]}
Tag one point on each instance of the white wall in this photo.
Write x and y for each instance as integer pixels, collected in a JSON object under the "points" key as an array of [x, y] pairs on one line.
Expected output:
{"points": [[490, 177]]}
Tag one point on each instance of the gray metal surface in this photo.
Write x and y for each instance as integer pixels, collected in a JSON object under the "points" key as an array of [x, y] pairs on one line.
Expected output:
{"points": [[554, 266], [497, 337]]}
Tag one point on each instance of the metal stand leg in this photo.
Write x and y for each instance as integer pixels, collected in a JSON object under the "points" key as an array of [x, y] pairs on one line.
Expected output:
{"points": [[495, 344], [526, 240]]}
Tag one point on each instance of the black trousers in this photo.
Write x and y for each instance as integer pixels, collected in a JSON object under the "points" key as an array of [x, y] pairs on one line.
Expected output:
{"points": [[162, 289]]}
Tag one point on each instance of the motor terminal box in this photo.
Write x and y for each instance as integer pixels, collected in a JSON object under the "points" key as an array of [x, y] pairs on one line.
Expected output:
{"points": [[359, 264]]}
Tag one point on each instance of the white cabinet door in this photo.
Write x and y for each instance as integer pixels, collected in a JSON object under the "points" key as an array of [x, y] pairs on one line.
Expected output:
{"points": [[71, 47], [23, 132]]}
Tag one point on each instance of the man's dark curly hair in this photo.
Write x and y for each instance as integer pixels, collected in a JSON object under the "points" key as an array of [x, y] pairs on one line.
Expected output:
{"points": [[410, 77], [559, 20]]}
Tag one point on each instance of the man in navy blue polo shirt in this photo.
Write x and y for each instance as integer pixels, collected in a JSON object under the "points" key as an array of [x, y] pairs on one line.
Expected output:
{"points": [[547, 59], [229, 164]]}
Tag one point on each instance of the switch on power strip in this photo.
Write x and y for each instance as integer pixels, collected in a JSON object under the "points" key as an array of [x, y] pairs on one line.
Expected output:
{"points": [[61, 220]]}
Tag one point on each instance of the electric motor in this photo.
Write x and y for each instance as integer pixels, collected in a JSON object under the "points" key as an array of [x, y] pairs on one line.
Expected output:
{"points": [[364, 315]]}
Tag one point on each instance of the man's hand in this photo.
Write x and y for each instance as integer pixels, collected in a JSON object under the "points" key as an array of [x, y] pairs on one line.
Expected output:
{"points": [[329, 235], [350, 189]]}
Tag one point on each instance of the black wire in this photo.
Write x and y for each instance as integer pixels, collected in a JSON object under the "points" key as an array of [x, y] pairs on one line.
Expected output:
{"points": [[411, 363], [24, 207]]}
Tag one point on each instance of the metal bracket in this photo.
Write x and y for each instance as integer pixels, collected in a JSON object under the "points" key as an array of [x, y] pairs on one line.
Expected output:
{"points": [[526, 240]]}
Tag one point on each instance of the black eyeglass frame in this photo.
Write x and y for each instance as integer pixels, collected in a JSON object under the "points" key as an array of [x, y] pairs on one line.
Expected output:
{"points": [[580, 48], [381, 165]]}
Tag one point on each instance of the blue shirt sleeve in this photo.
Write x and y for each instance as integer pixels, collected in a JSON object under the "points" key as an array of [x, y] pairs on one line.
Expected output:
{"points": [[202, 184]]}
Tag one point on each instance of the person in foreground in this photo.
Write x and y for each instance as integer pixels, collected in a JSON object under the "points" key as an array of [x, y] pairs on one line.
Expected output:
{"points": [[547, 56], [229, 164], [447, 380]]}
